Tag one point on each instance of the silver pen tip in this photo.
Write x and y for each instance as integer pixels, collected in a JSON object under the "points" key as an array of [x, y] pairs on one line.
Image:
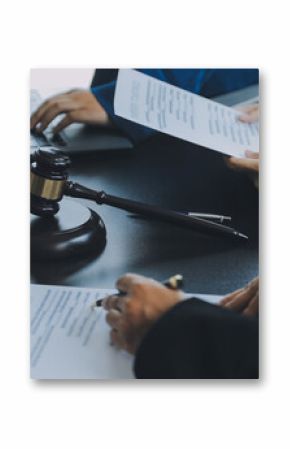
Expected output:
{"points": [[239, 234]]}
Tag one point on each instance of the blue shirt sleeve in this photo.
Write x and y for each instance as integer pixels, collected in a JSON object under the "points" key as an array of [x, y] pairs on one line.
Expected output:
{"points": [[207, 82], [105, 96]]}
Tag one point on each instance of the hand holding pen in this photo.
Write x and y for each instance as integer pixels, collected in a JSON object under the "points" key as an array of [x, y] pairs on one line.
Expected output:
{"points": [[174, 283], [141, 303]]}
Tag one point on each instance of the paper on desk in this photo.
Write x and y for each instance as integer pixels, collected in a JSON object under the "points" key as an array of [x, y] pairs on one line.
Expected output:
{"points": [[171, 110], [69, 340]]}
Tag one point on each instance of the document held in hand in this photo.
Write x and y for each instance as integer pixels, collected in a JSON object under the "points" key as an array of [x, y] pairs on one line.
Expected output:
{"points": [[161, 106]]}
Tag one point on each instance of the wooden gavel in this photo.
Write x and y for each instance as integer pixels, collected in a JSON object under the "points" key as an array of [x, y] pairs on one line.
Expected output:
{"points": [[49, 183]]}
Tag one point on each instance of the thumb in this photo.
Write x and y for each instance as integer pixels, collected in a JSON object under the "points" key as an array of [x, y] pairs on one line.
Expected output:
{"points": [[251, 154], [244, 164]]}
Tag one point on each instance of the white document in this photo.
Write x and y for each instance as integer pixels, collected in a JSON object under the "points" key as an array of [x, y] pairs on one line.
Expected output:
{"points": [[70, 340], [171, 110]]}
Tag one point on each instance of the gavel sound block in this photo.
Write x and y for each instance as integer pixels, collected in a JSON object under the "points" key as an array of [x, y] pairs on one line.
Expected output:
{"points": [[74, 230]]}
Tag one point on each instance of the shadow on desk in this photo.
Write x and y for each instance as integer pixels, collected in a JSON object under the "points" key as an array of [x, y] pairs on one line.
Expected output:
{"points": [[177, 175]]}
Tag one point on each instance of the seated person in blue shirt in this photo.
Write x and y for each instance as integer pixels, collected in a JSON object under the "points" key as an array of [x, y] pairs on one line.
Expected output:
{"points": [[95, 106]]}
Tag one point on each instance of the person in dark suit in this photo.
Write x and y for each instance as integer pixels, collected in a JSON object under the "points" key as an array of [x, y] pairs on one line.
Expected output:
{"points": [[95, 106], [177, 338]]}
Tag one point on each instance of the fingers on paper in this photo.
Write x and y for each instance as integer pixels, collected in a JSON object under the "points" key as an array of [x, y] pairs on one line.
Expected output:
{"points": [[249, 114], [114, 302], [113, 318], [245, 299]]}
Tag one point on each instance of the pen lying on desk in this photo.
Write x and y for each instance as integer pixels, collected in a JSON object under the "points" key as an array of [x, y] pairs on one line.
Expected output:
{"points": [[174, 283], [192, 219]]}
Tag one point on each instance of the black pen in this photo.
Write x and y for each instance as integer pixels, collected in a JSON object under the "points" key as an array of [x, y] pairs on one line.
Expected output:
{"points": [[174, 283], [197, 221]]}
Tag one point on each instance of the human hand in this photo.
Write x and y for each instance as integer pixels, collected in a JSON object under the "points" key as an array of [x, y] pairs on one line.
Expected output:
{"points": [[78, 106], [250, 164], [132, 314], [245, 300], [249, 113]]}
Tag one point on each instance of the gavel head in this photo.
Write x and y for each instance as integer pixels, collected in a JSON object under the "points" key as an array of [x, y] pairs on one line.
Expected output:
{"points": [[48, 178]]}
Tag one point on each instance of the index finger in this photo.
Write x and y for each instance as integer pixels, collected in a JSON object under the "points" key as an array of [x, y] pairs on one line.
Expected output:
{"points": [[244, 163], [41, 110], [253, 307], [248, 108], [125, 283], [228, 298], [36, 116], [250, 116], [114, 302]]}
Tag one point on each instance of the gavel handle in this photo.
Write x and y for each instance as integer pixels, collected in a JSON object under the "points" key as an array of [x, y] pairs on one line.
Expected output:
{"points": [[78, 191]]}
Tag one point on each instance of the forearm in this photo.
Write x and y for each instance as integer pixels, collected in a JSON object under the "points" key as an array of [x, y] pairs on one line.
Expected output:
{"points": [[199, 340]]}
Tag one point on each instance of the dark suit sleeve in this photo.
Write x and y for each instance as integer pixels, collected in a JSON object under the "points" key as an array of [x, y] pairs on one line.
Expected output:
{"points": [[197, 340]]}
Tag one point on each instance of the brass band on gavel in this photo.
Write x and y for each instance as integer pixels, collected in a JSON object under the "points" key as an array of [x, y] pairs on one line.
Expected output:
{"points": [[50, 189]]}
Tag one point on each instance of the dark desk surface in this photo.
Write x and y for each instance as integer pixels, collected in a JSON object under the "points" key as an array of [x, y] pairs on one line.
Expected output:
{"points": [[174, 174]]}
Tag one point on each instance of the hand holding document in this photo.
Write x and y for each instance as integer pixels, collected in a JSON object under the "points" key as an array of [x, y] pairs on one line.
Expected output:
{"points": [[69, 339], [161, 106]]}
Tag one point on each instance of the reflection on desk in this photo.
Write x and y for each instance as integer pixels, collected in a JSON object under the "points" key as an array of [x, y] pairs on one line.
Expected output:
{"points": [[177, 175]]}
